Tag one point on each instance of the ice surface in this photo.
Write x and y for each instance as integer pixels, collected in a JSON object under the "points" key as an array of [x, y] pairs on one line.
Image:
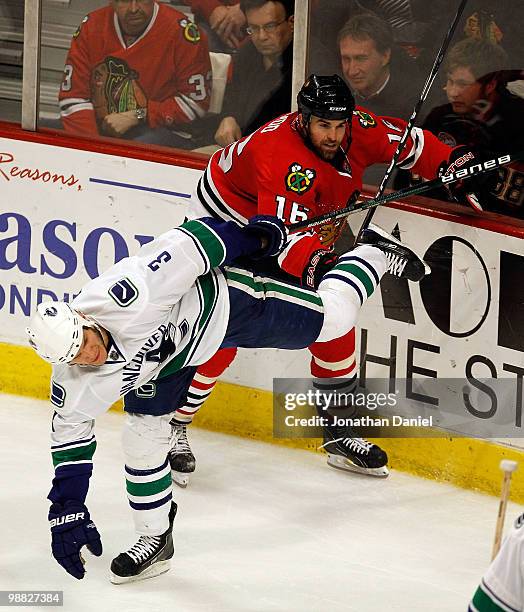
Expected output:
{"points": [[260, 528]]}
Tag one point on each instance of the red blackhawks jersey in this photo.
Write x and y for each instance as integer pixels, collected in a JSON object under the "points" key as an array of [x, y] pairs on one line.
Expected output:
{"points": [[167, 69], [273, 171]]}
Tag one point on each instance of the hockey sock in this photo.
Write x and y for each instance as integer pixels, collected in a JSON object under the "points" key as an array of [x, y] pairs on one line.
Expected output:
{"points": [[203, 384], [149, 495], [343, 291], [335, 395], [334, 358], [361, 269]]}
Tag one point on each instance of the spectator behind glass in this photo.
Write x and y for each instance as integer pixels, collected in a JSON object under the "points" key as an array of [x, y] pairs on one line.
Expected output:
{"points": [[136, 69], [223, 21], [483, 114], [260, 88], [380, 78], [412, 22]]}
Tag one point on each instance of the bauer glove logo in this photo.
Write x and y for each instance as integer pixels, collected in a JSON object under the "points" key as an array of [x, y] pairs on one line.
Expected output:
{"points": [[68, 518]]}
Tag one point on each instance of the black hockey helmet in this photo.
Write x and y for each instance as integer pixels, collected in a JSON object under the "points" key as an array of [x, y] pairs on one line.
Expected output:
{"points": [[327, 97]]}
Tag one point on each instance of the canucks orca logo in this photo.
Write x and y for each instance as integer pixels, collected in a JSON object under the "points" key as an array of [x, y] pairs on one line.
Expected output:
{"points": [[123, 292], [365, 119], [299, 180], [191, 31], [519, 522], [51, 311], [147, 391]]}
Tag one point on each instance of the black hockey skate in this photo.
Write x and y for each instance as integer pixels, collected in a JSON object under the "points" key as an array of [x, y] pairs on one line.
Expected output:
{"points": [[180, 456], [402, 261], [347, 452], [149, 557]]}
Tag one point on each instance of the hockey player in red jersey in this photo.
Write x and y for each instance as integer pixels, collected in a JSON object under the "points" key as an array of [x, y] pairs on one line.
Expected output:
{"points": [[298, 166], [135, 70]]}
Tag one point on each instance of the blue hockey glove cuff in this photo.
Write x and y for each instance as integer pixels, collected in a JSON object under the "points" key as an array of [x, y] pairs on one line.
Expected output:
{"points": [[270, 228], [71, 529], [247, 241]]}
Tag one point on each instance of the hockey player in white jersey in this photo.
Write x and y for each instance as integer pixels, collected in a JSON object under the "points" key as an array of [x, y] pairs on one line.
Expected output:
{"points": [[139, 331], [502, 586]]}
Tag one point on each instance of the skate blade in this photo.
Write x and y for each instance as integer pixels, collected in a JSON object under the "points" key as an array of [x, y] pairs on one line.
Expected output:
{"points": [[160, 567], [342, 463], [180, 478]]}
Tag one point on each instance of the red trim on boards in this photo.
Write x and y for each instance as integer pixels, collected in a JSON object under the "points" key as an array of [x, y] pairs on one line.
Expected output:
{"points": [[107, 146]]}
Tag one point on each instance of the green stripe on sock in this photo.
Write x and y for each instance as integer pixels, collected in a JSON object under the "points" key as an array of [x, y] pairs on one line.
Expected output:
{"points": [[82, 453], [209, 241], [143, 489], [483, 602], [362, 276], [264, 287]]}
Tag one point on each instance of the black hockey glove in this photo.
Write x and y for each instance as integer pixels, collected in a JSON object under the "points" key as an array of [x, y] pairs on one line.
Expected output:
{"points": [[320, 263], [72, 528], [468, 190], [272, 230]]}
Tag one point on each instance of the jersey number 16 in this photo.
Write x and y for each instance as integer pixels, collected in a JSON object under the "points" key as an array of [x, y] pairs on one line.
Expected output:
{"points": [[290, 212]]}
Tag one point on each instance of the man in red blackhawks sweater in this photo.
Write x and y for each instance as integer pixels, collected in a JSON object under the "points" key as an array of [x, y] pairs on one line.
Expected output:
{"points": [[298, 166], [135, 70]]}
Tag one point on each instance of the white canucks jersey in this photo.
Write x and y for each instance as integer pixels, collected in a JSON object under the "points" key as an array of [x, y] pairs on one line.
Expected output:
{"points": [[157, 306], [502, 587]]}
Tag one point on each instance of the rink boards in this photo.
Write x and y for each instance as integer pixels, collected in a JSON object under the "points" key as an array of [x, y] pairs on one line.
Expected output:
{"points": [[67, 214]]}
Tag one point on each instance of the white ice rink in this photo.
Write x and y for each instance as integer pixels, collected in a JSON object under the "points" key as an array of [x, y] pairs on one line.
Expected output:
{"points": [[260, 528]]}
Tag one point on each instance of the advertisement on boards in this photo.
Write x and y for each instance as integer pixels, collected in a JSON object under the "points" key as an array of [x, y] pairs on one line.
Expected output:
{"points": [[464, 321], [67, 215]]}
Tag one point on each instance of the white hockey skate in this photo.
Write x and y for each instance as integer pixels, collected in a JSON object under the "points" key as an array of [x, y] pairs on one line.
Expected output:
{"points": [[401, 260], [181, 457]]}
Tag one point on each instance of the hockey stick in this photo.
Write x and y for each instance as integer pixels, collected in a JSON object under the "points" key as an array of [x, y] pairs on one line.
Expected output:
{"points": [[411, 122], [354, 206], [508, 467]]}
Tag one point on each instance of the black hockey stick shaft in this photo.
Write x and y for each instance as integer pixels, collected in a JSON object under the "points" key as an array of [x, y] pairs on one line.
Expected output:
{"points": [[411, 122], [461, 175]]}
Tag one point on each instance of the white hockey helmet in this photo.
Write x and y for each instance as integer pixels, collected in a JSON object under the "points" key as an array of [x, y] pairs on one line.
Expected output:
{"points": [[56, 331]]}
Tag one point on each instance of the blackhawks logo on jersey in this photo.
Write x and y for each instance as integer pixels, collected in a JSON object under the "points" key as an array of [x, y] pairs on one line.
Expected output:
{"points": [[115, 88], [191, 31], [365, 119], [299, 180]]}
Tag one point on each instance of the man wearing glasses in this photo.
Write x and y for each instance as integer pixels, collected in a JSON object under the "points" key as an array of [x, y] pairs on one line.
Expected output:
{"points": [[261, 85], [483, 113]]}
